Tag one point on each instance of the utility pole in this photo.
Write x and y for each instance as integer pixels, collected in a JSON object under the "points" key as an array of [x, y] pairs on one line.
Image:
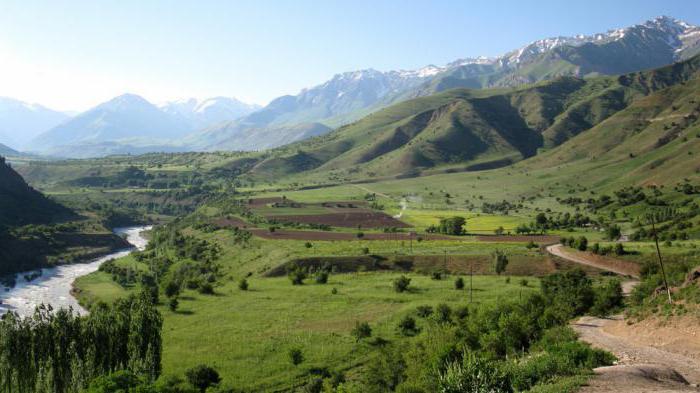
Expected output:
{"points": [[471, 281], [661, 263]]}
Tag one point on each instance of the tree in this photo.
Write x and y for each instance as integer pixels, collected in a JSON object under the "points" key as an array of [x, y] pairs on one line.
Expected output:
{"points": [[202, 377], [172, 288], [443, 313], [401, 284], [500, 261], [297, 276], [322, 277], [619, 249], [452, 226], [499, 231], [243, 284], [572, 291], [296, 356], [459, 283], [361, 330], [173, 304], [407, 326], [582, 243], [613, 232]]}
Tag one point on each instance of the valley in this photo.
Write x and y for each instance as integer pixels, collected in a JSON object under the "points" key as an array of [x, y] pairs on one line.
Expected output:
{"points": [[526, 223]]}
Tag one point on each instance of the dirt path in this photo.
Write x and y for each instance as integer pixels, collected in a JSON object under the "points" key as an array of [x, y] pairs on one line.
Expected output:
{"points": [[625, 268], [650, 358], [645, 367], [363, 188]]}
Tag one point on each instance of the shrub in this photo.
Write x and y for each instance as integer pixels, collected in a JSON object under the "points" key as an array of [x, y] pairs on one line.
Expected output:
{"points": [[608, 298], [500, 261], [365, 250], [206, 289], [334, 291], [296, 356], [308, 245], [297, 276], [321, 277], [436, 275], [531, 245], [443, 313], [619, 249], [243, 284], [473, 374], [202, 377], [459, 283], [582, 243], [361, 330], [571, 291], [401, 284], [524, 282], [360, 235], [595, 248], [173, 303], [407, 326], [424, 311], [172, 288]]}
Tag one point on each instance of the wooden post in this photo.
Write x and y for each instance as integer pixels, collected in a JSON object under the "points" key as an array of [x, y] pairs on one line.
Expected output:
{"points": [[661, 263]]}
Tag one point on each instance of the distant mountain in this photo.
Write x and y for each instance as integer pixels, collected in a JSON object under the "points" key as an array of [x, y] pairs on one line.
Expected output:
{"points": [[352, 95], [21, 121], [8, 151], [125, 119], [205, 113], [233, 137], [467, 129]]}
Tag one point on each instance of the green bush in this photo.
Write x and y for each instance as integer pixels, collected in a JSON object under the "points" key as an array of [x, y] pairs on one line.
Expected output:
{"points": [[608, 298], [401, 284], [459, 283], [361, 330]]}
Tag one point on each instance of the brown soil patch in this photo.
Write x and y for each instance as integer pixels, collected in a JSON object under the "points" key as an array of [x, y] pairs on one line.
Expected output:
{"points": [[231, 222], [543, 239], [678, 335], [363, 219], [286, 234], [258, 202]]}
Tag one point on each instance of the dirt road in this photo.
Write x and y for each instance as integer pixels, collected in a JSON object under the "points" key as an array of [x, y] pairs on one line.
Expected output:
{"points": [[651, 358], [625, 268]]}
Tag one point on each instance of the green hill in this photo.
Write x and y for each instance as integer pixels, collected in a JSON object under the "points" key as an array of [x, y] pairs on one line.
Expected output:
{"points": [[21, 204], [466, 129]]}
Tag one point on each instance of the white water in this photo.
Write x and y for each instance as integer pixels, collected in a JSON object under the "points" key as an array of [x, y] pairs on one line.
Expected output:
{"points": [[54, 285]]}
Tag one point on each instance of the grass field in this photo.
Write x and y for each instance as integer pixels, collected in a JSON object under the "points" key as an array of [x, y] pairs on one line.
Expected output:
{"points": [[246, 335]]}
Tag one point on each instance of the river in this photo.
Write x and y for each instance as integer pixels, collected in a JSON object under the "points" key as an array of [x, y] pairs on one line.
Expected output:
{"points": [[54, 285]]}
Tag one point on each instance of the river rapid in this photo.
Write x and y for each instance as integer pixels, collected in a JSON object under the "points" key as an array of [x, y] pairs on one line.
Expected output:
{"points": [[54, 285]]}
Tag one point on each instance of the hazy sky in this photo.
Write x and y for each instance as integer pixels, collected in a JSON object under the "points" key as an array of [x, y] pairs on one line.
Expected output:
{"points": [[72, 55]]}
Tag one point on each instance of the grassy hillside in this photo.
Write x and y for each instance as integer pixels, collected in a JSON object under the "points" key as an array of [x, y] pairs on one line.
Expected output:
{"points": [[478, 129]]}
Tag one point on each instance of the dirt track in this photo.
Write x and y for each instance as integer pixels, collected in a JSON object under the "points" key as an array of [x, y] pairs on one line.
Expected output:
{"points": [[651, 358], [625, 268]]}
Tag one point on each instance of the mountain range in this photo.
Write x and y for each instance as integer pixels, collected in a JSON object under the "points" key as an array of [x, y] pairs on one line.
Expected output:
{"points": [[129, 124], [648, 117], [20, 122]]}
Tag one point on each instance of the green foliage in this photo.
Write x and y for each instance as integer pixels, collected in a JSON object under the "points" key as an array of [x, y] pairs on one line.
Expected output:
{"points": [[571, 291], [408, 327], [473, 374], [608, 298], [243, 284], [450, 226], [322, 277], [61, 351], [202, 377], [401, 284], [361, 331], [500, 261], [459, 283], [296, 356]]}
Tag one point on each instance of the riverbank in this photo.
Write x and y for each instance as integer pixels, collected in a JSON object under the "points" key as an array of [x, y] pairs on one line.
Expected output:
{"points": [[55, 284]]}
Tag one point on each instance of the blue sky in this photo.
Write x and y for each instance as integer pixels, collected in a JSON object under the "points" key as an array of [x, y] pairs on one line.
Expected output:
{"points": [[71, 55]]}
